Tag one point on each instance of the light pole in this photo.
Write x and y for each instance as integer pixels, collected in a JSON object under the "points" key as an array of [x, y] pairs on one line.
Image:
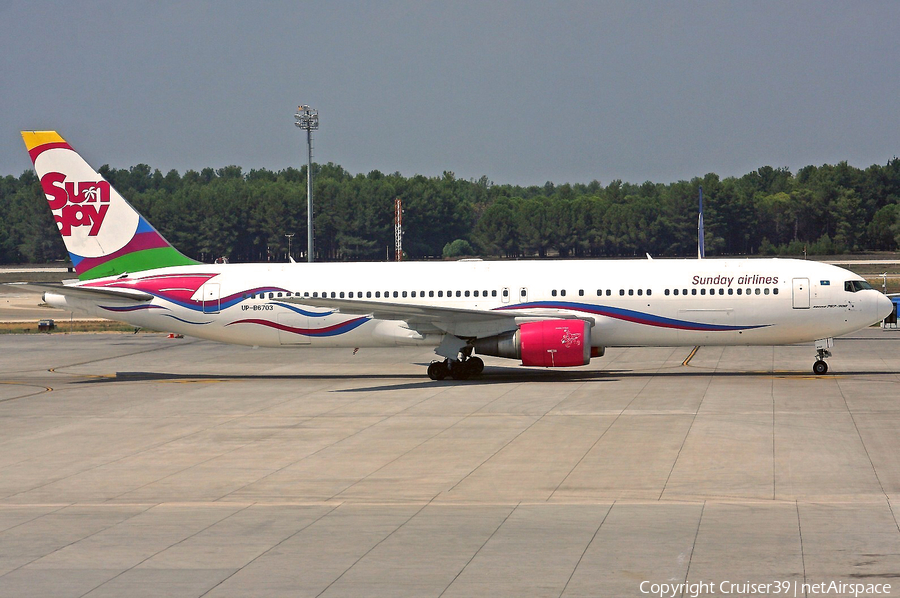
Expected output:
{"points": [[290, 237], [308, 119]]}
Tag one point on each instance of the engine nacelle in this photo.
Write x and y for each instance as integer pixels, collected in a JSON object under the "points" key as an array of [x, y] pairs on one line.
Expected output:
{"points": [[55, 300], [547, 343]]}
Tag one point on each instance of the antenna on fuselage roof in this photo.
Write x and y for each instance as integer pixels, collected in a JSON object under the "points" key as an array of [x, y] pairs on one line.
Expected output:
{"points": [[701, 246]]}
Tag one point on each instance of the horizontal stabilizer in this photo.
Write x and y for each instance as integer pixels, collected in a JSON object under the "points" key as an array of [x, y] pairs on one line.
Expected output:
{"points": [[80, 292]]}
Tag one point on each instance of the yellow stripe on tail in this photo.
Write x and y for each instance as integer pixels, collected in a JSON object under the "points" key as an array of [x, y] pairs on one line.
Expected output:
{"points": [[34, 139]]}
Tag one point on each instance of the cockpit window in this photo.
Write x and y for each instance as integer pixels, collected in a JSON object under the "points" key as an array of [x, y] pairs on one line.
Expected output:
{"points": [[852, 286]]}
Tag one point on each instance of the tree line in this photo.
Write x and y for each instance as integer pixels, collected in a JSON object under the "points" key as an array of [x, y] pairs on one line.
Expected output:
{"points": [[245, 216]]}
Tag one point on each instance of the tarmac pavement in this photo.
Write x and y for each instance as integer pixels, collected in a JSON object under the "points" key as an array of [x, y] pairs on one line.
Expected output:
{"points": [[144, 466]]}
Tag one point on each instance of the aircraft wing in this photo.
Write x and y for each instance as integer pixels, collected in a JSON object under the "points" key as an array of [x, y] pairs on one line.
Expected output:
{"points": [[80, 292], [430, 318]]}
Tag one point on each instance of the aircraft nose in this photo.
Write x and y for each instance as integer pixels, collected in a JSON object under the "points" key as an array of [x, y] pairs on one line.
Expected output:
{"points": [[884, 306]]}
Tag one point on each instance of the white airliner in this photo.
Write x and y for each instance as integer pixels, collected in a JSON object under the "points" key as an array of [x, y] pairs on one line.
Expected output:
{"points": [[543, 313]]}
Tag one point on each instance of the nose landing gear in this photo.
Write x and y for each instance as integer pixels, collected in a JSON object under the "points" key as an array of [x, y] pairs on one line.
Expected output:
{"points": [[822, 352]]}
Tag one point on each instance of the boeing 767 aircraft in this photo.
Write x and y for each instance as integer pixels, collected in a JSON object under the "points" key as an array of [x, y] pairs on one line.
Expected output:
{"points": [[542, 313]]}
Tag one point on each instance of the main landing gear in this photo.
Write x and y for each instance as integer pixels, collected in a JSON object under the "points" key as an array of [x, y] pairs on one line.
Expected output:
{"points": [[822, 352], [458, 369]]}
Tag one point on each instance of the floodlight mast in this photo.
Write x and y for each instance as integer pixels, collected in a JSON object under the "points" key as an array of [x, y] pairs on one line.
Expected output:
{"points": [[308, 119]]}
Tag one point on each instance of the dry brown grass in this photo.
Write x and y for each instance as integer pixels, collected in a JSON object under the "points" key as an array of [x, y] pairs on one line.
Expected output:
{"points": [[68, 326]]}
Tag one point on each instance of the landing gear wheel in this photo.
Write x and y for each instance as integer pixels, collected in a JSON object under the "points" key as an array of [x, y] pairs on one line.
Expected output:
{"points": [[476, 365], [820, 367], [438, 370], [459, 370]]}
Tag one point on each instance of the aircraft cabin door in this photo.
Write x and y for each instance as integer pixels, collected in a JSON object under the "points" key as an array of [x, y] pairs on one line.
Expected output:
{"points": [[523, 295], [211, 298], [504, 294], [801, 293]]}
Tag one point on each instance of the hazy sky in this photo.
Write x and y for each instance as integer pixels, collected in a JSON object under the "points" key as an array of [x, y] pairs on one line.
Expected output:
{"points": [[522, 92]]}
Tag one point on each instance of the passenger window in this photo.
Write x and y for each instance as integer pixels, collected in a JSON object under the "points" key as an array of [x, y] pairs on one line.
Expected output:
{"points": [[467, 293], [483, 294], [731, 291], [333, 294], [675, 292], [494, 293], [630, 292], [666, 292], [563, 292], [404, 292], [431, 293], [757, 291], [342, 294], [649, 292], [775, 291], [378, 294], [506, 292], [440, 293], [693, 291], [396, 294], [599, 292], [413, 294], [368, 294], [553, 293], [608, 292], [581, 292], [702, 291], [621, 292], [459, 293]]}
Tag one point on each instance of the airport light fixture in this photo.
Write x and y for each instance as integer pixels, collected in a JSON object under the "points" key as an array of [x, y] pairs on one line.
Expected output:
{"points": [[307, 119], [290, 237]]}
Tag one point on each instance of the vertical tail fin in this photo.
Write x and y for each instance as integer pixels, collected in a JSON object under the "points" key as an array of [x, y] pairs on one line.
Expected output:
{"points": [[701, 243], [103, 233]]}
